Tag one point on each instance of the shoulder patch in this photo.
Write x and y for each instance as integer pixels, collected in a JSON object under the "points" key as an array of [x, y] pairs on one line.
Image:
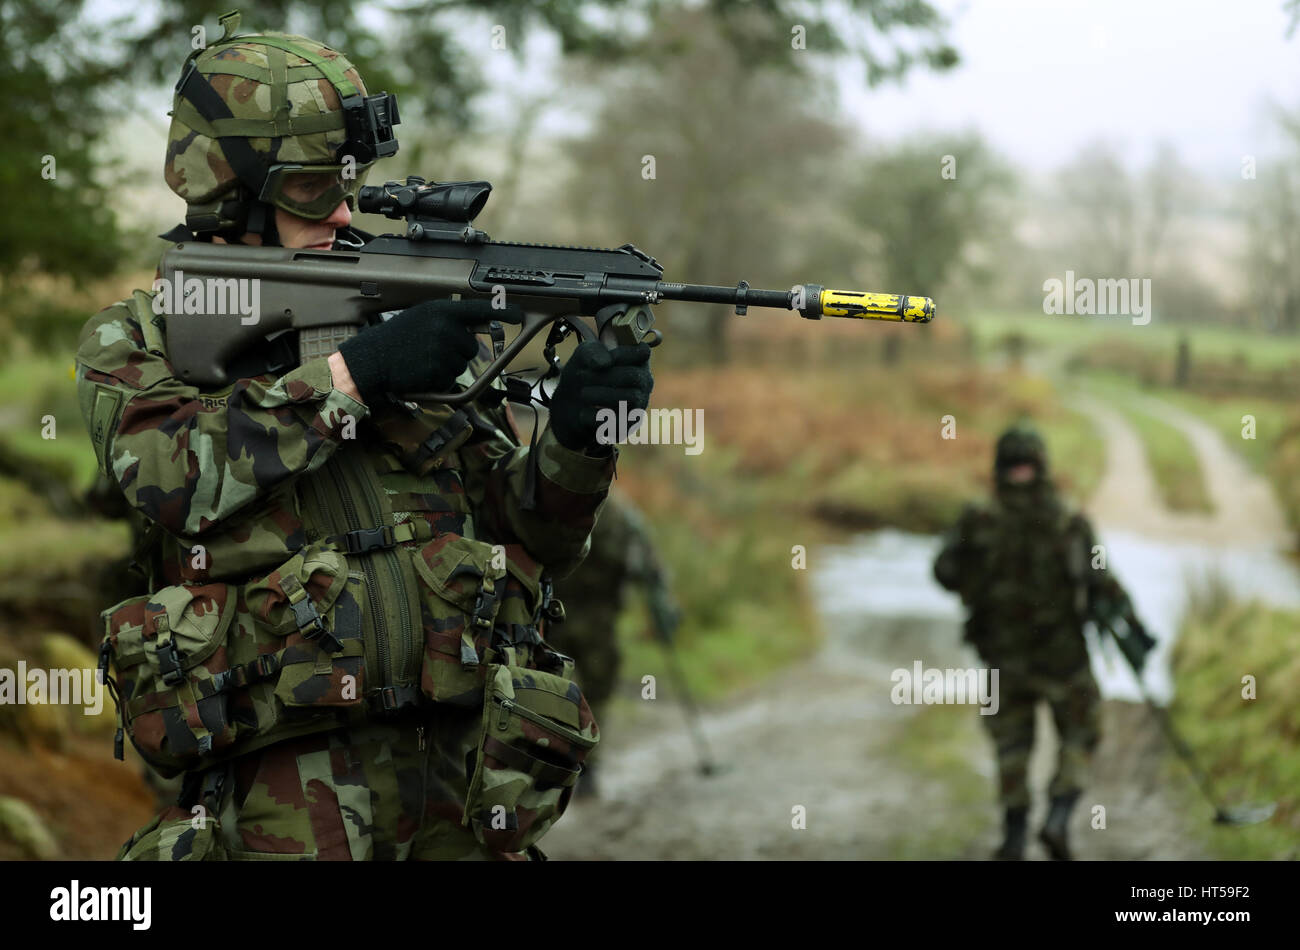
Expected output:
{"points": [[103, 421]]}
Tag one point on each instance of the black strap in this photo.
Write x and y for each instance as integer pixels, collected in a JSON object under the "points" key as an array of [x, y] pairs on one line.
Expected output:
{"points": [[204, 787], [119, 741], [169, 664], [237, 677], [365, 540], [243, 160], [516, 634], [449, 430], [486, 602]]}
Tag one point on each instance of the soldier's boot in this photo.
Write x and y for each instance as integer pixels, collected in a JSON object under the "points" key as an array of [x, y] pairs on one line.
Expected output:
{"points": [[1055, 832], [1013, 841]]}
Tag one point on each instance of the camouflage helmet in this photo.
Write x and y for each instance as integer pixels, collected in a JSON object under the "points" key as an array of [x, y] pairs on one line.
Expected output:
{"points": [[267, 120], [1020, 444]]}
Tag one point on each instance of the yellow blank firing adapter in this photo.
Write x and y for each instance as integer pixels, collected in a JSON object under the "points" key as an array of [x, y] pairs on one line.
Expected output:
{"points": [[866, 306]]}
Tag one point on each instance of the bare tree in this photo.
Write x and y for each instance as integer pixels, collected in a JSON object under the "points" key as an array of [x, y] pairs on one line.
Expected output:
{"points": [[708, 161]]}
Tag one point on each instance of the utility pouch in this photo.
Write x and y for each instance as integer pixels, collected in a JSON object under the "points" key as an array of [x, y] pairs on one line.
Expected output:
{"points": [[475, 595], [537, 731], [168, 649], [313, 606]]}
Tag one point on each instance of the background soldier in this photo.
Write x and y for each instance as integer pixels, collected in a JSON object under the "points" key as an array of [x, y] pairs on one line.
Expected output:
{"points": [[594, 596], [325, 594], [1026, 570]]}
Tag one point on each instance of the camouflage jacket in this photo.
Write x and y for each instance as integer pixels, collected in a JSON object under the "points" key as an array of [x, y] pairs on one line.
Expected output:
{"points": [[313, 560], [1029, 578]]}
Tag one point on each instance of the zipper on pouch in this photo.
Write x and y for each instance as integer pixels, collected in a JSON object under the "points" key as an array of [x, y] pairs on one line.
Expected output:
{"points": [[507, 708]]}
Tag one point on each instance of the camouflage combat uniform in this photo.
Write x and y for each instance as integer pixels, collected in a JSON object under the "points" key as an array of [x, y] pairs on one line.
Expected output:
{"points": [[1024, 567], [341, 643]]}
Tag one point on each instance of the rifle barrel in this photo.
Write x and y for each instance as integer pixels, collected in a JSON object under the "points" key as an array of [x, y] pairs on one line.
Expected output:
{"points": [[811, 300]]}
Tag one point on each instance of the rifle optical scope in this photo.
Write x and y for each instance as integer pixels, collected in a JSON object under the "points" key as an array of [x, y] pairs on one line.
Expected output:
{"points": [[453, 201]]}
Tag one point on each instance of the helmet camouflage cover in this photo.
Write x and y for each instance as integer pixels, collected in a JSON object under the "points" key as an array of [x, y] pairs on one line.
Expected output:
{"points": [[284, 97]]}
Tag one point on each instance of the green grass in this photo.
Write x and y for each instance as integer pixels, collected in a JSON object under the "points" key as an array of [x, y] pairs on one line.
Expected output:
{"points": [[1274, 449], [1076, 453], [935, 744], [1174, 463], [1227, 414], [35, 388], [1254, 349], [1250, 747]]}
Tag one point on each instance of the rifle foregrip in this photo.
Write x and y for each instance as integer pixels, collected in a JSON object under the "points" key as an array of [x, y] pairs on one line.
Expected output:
{"points": [[871, 306]]}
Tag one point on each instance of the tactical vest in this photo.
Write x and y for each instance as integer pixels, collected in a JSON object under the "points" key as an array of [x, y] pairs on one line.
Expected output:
{"points": [[352, 593], [1025, 586]]}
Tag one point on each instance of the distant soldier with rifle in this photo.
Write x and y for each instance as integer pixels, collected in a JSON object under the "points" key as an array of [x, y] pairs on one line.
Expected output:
{"points": [[1031, 577], [594, 596]]}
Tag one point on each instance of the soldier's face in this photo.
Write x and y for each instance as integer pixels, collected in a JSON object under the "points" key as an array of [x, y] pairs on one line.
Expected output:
{"points": [[300, 232], [297, 231], [1022, 474]]}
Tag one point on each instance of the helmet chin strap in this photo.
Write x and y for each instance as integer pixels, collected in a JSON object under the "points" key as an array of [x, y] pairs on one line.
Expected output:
{"points": [[261, 220]]}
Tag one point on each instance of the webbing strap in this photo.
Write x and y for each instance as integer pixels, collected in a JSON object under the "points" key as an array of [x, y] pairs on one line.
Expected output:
{"points": [[246, 674], [279, 64], [452, 429], [393, 700], [235, 67], [166, 651], [365, 540], [310, 623], [330, 69], [282, 124]]}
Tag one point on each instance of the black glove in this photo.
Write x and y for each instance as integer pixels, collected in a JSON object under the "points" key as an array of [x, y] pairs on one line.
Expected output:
{"points": [[421, 349], [596, 378]]}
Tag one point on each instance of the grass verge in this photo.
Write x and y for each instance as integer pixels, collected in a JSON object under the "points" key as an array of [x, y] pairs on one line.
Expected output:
{"points": [[1249, 746]]}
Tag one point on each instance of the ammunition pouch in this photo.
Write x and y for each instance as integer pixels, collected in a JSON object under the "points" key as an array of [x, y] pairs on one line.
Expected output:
{"points": [[537, 732], [205, 672], [481, 607]]}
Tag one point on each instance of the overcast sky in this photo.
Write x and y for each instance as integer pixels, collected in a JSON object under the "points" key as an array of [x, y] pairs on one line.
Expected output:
{"points": [[1042, 77]]}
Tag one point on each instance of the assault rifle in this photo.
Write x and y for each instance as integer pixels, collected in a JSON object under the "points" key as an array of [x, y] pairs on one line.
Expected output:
{"points": [[327, 296], [1135, 644]]}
